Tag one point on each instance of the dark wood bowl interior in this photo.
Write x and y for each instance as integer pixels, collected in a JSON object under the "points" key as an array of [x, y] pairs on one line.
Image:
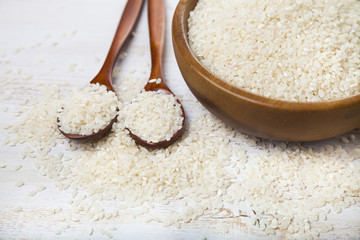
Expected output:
{"points": [[254, 114]]}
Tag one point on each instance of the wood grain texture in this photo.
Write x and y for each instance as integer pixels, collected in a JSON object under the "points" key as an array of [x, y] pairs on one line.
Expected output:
{"points": [[54, 42]]}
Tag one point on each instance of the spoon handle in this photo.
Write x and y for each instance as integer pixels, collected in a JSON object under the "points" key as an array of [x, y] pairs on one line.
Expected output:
{"points": [[126, 24], [156, 12]]}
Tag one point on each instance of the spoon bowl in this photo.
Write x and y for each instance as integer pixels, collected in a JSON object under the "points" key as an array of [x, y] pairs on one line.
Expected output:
{"points": [[153, 86], [161, 144], [90, 137], [126, 24]]}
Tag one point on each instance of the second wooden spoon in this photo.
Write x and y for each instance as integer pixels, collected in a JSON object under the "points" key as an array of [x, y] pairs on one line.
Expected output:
{"points": [[156, 14]]}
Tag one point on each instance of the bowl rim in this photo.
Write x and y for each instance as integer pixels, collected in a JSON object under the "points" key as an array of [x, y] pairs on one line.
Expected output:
{"points": [[180, 29]]}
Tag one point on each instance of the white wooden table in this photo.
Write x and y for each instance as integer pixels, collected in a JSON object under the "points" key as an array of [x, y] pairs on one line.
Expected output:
{"points": [[43, 39]]}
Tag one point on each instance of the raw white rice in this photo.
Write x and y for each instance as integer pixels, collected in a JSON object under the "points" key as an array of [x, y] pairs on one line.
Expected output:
{"points": [[291, 188], [157, 81], [153, 116], [304, 50], [286, 186], [88, 110], [19, 184]]}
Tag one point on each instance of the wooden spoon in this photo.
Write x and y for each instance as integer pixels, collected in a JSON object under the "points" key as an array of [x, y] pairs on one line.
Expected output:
{"points": [[156, 14], [126, 24]]}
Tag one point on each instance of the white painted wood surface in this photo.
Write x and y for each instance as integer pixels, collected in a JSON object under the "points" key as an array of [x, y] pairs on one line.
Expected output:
{"points": [[42, 38]]}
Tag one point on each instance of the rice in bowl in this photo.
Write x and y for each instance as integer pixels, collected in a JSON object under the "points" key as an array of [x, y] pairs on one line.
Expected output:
{"points": [[302, 51]]}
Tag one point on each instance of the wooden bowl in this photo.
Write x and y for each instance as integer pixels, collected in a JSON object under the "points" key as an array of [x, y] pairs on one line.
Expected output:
{"points": [[253, 114]]}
